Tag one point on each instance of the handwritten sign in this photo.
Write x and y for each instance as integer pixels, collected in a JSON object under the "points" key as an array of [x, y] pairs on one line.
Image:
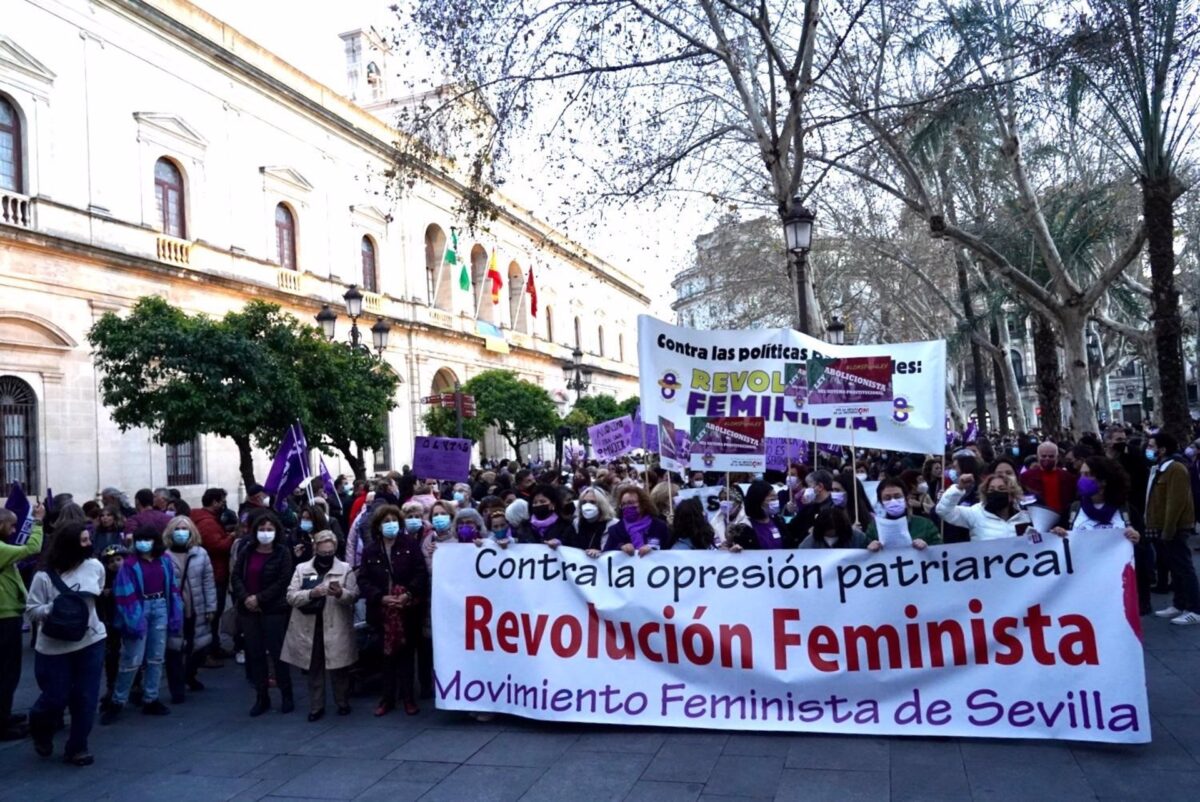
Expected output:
{"points": [[447, 458]]}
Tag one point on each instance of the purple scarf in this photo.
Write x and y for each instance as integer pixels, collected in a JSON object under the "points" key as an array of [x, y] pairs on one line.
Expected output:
{"points": [[766, 534], [544, 524], [637, 530], [1102, 515]]}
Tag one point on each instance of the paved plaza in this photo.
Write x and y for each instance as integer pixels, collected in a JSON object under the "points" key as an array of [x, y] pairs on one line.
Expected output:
{"points": [[209, 749]]}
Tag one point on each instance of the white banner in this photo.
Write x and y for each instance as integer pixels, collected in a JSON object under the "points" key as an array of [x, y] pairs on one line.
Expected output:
{"points": [[1000, 638], [687, 373]]}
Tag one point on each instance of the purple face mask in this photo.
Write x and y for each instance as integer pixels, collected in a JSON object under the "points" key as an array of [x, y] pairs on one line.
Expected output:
{"points": [[467, 532], [1087, 486], [630, 513]]}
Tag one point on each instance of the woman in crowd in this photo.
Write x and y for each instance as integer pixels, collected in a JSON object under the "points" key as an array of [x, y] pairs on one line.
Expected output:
{"points": [[178, 506], [691, 528], [832, 529], [638, 531], [497, 529], [916, 493], [468, 526], [441, 529], [662, 497], [1005, 466], [935, 482], [185, 651], [728, 513], [762, 507], [259, 583], [998, 515], [112, 558], [68, 670], [109, 529], [892, 499], [320, 635], [858, 504], [1103, 489], [394, 580], [964, 465], [548, 523], [148, 610], [595, 517], [312, 520]]}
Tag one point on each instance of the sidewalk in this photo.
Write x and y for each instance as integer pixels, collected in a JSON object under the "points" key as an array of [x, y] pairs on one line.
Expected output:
{"points": [[209, 749]]}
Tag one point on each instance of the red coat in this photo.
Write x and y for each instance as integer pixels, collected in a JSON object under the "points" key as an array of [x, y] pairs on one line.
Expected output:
{"points": [[1054, 489], [215, 541]]}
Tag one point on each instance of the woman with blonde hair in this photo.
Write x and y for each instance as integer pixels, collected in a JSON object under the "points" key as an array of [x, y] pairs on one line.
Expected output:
{"points": [[998, 515], [663, 499], [320, 636], [595, 517], [186, 651]]}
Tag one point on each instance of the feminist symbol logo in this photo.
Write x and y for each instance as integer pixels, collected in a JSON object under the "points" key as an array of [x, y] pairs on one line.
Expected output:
{"points": [[669, 384], [901, 410]]}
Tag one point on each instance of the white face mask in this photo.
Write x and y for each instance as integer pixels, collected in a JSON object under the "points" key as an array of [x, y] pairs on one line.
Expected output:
{"points": [[830, 540], [862, 477], [808, 496], [589, 511], [922, 488], [697, 483], [266, 536]]}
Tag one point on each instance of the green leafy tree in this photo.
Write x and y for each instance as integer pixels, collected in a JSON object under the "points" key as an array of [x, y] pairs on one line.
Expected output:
{"points": [[590, 410], [441, 422], [521, 411], [630, 405]]}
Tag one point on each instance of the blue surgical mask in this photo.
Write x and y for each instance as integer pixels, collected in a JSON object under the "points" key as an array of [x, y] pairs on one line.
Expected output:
{"points": [[181, 537], [390, 528], [143, 546], [441, 522], [1151, 455], [413, 525], [839, 498], [306, 526], [1016, 451], [459, 497], [773, 507]]}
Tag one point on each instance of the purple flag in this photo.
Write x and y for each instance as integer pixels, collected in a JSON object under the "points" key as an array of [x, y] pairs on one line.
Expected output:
{"points": [[290, 468], [330, 490], [18, 504], [972, 432]]}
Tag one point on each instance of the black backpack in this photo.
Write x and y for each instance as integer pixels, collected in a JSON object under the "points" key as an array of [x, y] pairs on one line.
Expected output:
{"points": [[69, 612]]}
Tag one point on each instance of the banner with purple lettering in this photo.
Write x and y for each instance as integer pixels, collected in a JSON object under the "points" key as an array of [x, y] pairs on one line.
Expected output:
{"points": [[445, 458], [783, 451], [997, 638], [612, 438], [871, 396]]}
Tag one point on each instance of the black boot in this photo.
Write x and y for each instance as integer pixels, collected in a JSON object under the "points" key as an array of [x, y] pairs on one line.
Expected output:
{"points": [[288, 704], [262, 704]]}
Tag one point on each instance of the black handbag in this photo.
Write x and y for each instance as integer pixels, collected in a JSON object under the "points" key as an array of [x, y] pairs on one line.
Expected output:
{"points": [[312, 606]]}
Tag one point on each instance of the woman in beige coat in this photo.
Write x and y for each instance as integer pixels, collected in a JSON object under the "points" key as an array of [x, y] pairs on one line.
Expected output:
{"points": [[320, 635]]}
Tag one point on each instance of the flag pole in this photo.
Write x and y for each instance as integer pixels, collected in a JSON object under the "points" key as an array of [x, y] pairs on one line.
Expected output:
{"points": [[437, 283], [854, 470]]}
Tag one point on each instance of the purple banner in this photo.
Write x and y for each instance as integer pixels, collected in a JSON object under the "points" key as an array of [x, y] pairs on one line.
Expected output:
{"points": [[18, 504], [612, 438], [447, 458], [781, 451]]}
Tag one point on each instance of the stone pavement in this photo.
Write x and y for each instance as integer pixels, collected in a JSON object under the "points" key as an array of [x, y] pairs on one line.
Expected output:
{"points": [[209, 749]]}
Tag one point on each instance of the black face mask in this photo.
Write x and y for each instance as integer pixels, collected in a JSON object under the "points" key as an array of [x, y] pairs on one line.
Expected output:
{"points": [[86, 552], [323, 562], [542, 511], [997, 502]]}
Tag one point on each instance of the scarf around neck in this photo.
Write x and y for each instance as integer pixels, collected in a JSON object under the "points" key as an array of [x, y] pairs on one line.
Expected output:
{"points": [[544, 524], [637, 530], [1102, 515]]}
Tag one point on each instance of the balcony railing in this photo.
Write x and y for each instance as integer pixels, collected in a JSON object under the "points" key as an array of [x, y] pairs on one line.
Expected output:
{"points": [[173, 250], [373, 302], [16, 210], [287, 279]]}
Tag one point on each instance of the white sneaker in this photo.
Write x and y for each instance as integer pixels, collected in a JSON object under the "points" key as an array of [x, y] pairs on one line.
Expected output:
{"points": [[240, 657], [1186, 620], [1170, 612]]}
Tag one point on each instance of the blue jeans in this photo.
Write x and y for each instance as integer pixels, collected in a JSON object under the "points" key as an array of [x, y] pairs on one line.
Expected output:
{"points": [[150, 648], [70, 680]]}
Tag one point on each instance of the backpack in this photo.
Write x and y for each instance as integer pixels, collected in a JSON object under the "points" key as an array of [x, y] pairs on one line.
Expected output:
{"points": [[69, 612]]}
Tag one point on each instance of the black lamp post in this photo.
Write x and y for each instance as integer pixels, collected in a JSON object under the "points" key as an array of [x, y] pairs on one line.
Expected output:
{"points": [[577, 374], [797, 232], [354, 307], [835, 331]]}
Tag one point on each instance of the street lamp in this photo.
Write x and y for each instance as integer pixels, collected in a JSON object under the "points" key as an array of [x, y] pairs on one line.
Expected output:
{"points": [[797, 232], [379, 335], [578, 375], [327, 318], [835, 332]]}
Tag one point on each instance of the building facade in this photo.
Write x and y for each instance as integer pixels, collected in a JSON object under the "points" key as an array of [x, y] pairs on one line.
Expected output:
{"points": [[146, 148]]}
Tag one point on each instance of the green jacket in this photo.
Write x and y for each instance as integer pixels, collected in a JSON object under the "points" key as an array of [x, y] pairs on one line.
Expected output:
{"points": [[919, 528], [12, 587], [1169, 506]]}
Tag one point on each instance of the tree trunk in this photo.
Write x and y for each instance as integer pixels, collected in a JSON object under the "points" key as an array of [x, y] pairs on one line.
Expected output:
{"points": [[964, 294], [354, 457], [1159, 214], [1049, 380], [998, 378], [1078, 376], [245, 460], [1011, 387], [955, 408]]}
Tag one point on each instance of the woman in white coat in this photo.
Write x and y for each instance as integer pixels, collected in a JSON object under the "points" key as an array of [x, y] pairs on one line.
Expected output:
{"points": [[320, 634], [998, 515], [186, 651]]}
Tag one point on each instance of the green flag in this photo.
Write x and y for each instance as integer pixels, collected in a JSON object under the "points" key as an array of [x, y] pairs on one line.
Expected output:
{"points": [[464, 279]]}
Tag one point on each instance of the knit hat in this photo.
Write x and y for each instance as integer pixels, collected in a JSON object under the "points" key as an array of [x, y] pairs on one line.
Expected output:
{"points": [[517, 513]]}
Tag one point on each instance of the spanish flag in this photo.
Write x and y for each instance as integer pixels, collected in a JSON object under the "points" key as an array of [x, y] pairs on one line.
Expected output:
{"points": [[494, 274]]}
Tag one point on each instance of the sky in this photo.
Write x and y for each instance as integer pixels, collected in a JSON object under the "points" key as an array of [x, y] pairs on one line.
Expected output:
{"points": [[650, 244]]}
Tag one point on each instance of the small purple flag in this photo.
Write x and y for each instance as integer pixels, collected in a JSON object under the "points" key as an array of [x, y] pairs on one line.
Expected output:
{"points": [[972, 432], [290, 468], [330, 490], [18, 504]]}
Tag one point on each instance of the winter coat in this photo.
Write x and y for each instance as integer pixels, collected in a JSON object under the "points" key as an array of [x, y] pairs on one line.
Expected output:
{"points": [[377, 575], [216, 542], [589, 534], [276, 574], [1169, 509], [659, 534], [199, 592], [982, 524], [130, 614], [337, 618]]}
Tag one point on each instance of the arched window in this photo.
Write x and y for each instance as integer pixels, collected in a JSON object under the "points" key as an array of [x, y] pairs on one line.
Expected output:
{"points": [[620, 347], [578, 334], [482, 288], [437, 290], [285, 237], [516, 298], [168, 195], [600, 340], [10, 147], [370, 275], [444, 381], [1018, 366], [18, 434]]}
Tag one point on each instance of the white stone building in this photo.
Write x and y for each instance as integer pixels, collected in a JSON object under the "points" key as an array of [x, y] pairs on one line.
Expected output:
{"points": [[148, 148]]}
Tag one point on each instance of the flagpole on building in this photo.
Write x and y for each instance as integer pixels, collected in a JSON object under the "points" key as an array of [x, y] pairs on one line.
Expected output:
{"points": [[437, 283]]}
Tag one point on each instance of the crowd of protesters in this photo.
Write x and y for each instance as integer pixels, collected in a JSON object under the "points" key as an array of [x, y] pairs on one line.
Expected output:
{"points": [[338, 586]]}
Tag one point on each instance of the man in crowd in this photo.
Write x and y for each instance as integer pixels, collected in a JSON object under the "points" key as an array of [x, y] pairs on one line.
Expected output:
{"points": [[113, 497], [1170, 519], [817, 498], [146, 514], [162, 497], [1053, 486], [12, 612]]}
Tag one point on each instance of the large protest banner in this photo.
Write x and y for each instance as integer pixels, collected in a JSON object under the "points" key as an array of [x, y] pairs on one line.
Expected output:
{"points": [[727, 444], [447, 458], [687, 373], [1000, 638], [612, 438]]}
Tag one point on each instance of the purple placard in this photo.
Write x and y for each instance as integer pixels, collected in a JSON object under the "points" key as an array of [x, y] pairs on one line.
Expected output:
{"points": [[784, 450], [446, 458], [612, 438]]}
